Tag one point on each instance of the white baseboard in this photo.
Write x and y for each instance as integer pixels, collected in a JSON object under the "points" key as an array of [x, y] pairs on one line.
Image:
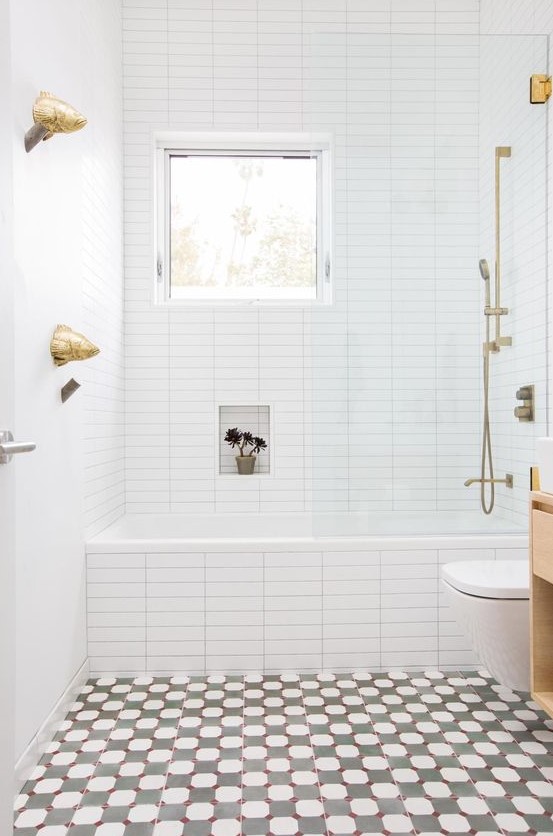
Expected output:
{"points": [[33, 752]]}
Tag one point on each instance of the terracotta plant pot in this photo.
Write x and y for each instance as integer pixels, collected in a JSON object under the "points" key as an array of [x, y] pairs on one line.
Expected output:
{"points": [[245, 464]]}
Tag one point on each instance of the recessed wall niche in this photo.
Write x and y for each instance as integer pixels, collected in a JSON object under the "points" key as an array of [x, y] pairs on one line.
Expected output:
{"points": [[253, 417]]}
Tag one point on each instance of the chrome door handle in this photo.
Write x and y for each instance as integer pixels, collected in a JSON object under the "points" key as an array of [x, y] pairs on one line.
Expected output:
{"points": [[8, 446]]}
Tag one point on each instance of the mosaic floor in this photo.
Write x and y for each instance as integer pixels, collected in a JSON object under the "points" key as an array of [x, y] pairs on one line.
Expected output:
{"points": [[312, 754]]}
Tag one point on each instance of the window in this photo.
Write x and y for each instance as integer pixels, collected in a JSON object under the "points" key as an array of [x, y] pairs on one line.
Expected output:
{"points": [[246, 221]]}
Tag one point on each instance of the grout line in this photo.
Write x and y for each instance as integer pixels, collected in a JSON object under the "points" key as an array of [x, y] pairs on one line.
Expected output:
{"points": [[380, 608], [257, 65], [322, 610], [205, 613], [107, 740], [146, 613], [170, 761], [347, 260], [385, 756], [306, 429], [435, 281], [244, 685], [263, 614], [315, 769], [391, 263], [167, 58], [302, 69]]}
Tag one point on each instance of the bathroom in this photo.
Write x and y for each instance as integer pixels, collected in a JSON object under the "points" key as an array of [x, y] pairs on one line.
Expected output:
{"points": [[153, 598]]}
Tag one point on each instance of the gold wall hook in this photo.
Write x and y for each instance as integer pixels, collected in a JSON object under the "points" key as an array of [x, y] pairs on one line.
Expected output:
{"points": [[67, 345], [540, 88], [52, 116]]}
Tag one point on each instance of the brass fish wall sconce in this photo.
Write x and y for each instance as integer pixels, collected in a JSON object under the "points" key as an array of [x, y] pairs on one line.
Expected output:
{"points": [[67, 345], [52, 116]]}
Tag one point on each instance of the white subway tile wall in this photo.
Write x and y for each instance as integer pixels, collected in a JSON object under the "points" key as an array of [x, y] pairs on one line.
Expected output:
{"points": [[528, 245], [102, 272], [508, 119], [376, 396], [516, 17], [271, 610]]}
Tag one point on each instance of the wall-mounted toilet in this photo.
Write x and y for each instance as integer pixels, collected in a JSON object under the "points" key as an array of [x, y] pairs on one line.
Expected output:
{"points": [[490, 599]]}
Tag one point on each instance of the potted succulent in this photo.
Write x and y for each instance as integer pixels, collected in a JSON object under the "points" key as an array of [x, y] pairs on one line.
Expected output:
{"points": [[245, 461]]}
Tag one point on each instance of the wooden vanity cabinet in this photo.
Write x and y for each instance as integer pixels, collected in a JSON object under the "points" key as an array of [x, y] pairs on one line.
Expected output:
{"points": [[541, 599]]}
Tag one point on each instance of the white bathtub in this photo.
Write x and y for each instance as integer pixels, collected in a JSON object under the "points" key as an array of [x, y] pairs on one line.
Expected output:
{"points": [[176, 594], [133, 528]]}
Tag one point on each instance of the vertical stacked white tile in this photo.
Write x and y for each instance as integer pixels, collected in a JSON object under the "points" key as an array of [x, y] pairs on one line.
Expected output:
{"points": [[413, 255], [284, 334], [325, 108], [458, 351], [364, 218], [293, 601], [354, 604], [234, 611], [536, 17], [509, 57], [409, 604], [192, 412], [406, 212], [148, 390], [362, 390], [102, 270], [116, 612], [175, 612], [351, 620]]}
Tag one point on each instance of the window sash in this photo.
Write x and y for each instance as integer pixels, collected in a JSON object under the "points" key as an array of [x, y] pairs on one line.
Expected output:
{"points": [[248, 295]]}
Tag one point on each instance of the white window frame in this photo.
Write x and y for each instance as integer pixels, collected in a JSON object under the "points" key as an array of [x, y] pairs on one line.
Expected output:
{"points": [[262, 144]]}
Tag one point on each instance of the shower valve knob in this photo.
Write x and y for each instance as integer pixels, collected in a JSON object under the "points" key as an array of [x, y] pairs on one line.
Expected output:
{"points": [[526, 411], [523, 413]]}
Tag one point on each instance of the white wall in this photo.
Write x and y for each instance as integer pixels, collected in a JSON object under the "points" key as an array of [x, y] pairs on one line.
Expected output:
{"points": [[68, 253], [509, 119], [379, 392], [7, 410], [102, 266]]}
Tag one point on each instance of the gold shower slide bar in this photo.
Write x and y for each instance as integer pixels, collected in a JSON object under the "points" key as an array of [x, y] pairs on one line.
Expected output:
{"points": [[497, 311]]}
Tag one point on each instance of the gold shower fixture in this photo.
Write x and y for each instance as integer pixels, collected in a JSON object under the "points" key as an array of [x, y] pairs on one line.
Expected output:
{"points": [[67, 345], [52, 116], [497, 311], [540, 88]]}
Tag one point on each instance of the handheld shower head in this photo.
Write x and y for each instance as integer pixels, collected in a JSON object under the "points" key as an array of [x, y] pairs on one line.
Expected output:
{"points": [[484, 269]]}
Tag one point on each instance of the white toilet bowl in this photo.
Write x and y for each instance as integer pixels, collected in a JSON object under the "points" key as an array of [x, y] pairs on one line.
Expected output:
{"points": [[490, 599]]}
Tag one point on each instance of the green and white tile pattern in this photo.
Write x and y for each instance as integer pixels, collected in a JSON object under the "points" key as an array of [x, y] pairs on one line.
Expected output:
{"points": [[291, 755]]}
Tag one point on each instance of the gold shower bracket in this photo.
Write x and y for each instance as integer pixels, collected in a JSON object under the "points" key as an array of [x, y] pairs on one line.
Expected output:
{"points": [[497, 311], [540, 88]]}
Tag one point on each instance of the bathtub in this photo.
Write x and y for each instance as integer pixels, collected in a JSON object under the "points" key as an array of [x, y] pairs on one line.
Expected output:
{"points": [[275, 592]]}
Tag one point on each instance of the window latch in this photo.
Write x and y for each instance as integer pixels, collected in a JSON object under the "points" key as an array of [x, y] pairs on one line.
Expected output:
{"points": [[327, 268], [159, 268]]}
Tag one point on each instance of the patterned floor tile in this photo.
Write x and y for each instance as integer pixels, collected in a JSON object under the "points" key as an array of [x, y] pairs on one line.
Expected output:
{"points": [[291, 755]]}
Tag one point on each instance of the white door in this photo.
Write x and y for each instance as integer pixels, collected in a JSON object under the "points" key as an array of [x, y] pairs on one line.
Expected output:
{"points": [[7, 471]]}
